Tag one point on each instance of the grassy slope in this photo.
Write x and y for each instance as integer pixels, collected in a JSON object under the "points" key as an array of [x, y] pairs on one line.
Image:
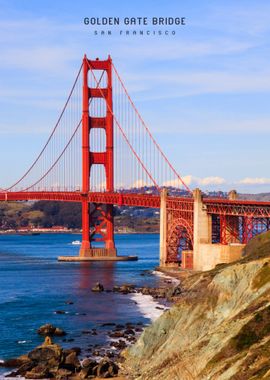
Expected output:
{"points": [[219, 328]]}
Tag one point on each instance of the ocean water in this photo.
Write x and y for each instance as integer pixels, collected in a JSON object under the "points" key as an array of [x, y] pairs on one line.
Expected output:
{"points": [[33, 286]]}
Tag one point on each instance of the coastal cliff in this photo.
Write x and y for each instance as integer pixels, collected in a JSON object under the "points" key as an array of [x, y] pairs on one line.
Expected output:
{"points": [[219, 327]]}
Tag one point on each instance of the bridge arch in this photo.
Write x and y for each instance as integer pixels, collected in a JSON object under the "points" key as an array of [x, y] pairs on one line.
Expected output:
{"points": [[180, 237]]}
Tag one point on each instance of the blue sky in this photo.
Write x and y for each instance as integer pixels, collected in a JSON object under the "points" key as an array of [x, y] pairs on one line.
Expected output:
{"points": [[204, 92]]}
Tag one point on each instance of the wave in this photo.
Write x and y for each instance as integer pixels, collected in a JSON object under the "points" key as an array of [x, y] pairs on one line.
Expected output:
{"points": [[148, 306], [167, 277]]}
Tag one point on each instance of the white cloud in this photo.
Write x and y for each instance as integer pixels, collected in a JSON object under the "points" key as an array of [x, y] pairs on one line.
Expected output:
{"points": [[211, 181], [192, 180], [254, 181], [187, 179]]}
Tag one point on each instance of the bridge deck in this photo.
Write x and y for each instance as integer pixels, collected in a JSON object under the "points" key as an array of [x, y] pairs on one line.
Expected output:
{"points": [[237, 207], [214, 205]]}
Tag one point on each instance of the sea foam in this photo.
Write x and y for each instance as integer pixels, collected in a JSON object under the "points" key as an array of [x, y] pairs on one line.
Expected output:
{"points": [[166, 277], [148, 306]]}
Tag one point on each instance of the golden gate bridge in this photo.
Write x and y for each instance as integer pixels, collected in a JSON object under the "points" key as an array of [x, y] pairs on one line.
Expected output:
{"points": [[101, 153]]}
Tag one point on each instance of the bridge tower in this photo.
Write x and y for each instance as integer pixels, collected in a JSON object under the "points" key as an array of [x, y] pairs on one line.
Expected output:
{"points": [[97, 220]]}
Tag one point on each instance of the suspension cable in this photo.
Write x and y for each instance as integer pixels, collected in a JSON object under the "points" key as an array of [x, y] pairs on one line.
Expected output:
{"points": [[149, 133], [52, 133]]}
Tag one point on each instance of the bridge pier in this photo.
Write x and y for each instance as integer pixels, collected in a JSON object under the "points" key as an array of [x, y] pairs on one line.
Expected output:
{"points": [[207, 255], [85, 246], [202, 230], [197, 221], [163, 228]]}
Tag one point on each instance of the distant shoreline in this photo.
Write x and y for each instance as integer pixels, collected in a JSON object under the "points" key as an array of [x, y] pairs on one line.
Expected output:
{"points": [[74, 232]]}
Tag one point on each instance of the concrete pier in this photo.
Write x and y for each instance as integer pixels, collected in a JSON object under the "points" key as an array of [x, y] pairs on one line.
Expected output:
{"points": [[98, 254], [100, 258], [163, 228], [205, 254]]}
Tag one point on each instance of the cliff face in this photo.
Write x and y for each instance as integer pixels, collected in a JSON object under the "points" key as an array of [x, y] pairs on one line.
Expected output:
{"points": [[219, 327]]}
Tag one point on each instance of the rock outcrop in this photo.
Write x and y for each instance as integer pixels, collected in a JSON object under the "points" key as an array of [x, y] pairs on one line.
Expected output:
{"points": [[219, 329], [51, 361], [98, 288], [50, 330]]}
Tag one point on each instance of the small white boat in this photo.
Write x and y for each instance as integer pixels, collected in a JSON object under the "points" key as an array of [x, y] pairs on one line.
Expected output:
{"points": [[76, 242]]}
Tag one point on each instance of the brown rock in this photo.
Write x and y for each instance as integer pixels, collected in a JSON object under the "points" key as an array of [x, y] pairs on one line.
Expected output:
{"points": [[11, 363], [60, 312], [21, 371], [89, 367], [38, 372], [59, 332], [50, 330], [71, 362], [116, 334], [107, 368], [125, 288], [129, 332], [120, 345], [62, 374], [76, 349], [98, 287], [49, 356]]}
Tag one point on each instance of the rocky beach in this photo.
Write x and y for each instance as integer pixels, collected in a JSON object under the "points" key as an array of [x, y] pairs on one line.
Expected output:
{"points": [[205, 326], [50, 360]]}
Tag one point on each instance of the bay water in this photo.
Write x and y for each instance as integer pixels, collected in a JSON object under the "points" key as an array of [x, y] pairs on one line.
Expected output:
{"points": [[34, 286]]}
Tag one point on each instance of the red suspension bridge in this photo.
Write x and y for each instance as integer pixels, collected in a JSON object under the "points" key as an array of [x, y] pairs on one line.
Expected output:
{"points": [[101, 153]]}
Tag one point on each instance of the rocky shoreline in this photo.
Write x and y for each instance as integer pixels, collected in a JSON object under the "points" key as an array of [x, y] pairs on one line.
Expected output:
{"points": [[219, 327], [50, 360]]}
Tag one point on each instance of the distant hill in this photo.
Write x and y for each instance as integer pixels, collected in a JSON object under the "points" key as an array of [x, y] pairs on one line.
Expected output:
{"points": [[264, 197], [44, 214]]}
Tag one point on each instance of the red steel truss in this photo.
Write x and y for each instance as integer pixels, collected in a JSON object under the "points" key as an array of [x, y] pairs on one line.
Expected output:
{"points": [[179, 227], [236, 221], [237, 207]]}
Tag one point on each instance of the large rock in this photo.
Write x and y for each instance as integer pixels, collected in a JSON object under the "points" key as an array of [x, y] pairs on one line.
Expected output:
{"points": [[124, 289], [50, 330], [98, 287], [89, 368], [107, 368], [49, 355], [50, 361], [38, 372], [68, 351], [116, 334], [21, 371], [71, 362], [63, 374]]}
